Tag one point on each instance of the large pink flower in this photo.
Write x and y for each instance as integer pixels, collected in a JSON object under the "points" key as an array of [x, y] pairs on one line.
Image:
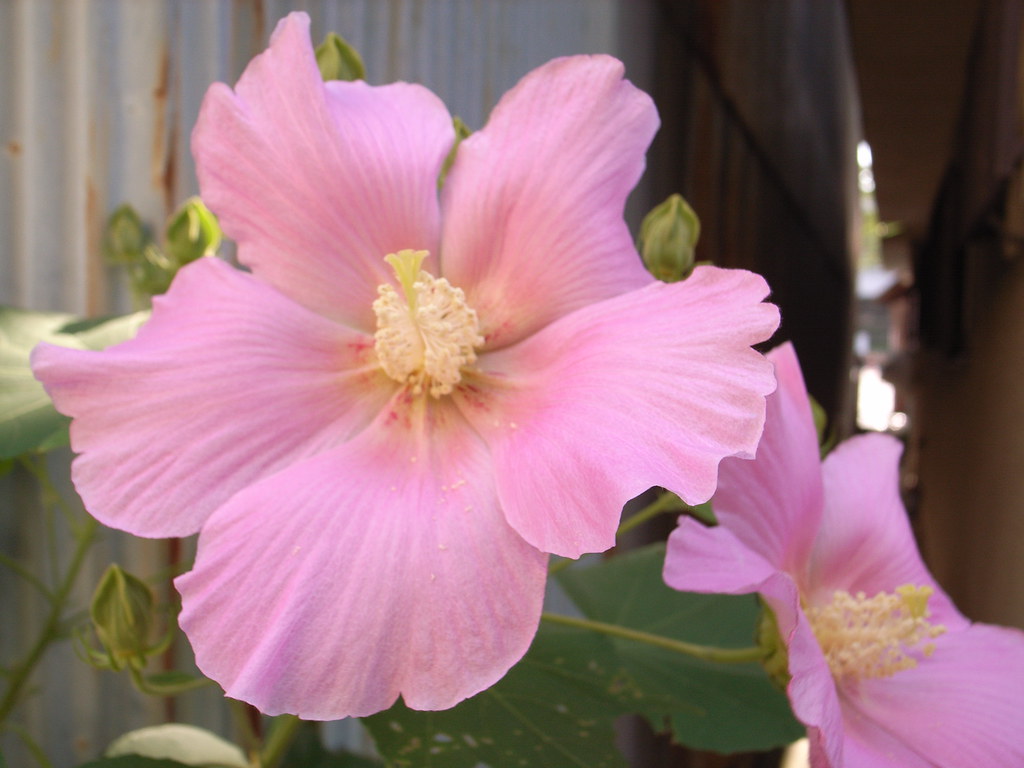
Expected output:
{"points": [[885, 672], [383, 428]]}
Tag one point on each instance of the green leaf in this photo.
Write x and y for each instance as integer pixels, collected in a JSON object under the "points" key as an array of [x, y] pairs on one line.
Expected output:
{"points": [[102, 332], [703, 512], [338, 60], [28, 421], [173, 744], [555, 709], [308, 751], [707, 705]]}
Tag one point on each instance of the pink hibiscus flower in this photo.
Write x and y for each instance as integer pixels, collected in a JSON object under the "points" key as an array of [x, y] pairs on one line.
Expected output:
{"points": [[383, 428], [884, 670]]}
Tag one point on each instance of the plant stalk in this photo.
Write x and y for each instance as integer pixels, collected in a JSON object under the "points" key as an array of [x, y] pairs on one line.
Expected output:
{"points": [[705, 652]]}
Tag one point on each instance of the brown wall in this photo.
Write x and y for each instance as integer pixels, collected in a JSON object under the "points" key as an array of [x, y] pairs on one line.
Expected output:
{"points": [[760, 126], [968, 439], [972, 458]]}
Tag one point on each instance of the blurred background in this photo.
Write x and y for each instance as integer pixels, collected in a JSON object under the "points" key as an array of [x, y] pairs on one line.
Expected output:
{"points": [[863, 155]]}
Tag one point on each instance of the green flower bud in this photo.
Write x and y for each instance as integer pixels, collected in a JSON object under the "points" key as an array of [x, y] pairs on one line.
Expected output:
{"points": [[125, 237], [668, 237], [338, 60], [122, 614], [192, 232]]}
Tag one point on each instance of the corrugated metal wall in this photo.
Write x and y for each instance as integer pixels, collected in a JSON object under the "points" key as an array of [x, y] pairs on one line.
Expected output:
{"points": [[97, 101], [98, 98]]}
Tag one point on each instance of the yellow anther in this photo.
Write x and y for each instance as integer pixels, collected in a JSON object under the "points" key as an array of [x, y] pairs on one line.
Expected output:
{"points": [[866, 637]]}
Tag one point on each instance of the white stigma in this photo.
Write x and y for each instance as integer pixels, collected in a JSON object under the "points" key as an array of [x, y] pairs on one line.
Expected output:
{"points": [[426, 336], [868, 637]]}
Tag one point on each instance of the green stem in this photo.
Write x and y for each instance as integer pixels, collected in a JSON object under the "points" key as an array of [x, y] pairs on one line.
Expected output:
{"points": [[49, 503], [250, 740], [27, 575], [30, 744], [50, 495], [667, 502], [51, 629], [283, 730], [706, 652]]}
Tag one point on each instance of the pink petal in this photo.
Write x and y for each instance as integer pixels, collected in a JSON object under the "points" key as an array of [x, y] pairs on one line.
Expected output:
{"points": [[960, 708], [649, 388], [774, 502], [228, 381], [714, 560], [871, 745], [318, 182], [865, 542], [534, 204], [811, 690], [381, 567]]}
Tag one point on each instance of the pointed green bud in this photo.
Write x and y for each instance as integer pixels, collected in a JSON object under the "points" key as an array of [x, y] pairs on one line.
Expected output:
{"points": [[151, 275], [668, 237], [462, 131], [122, 613], [338, 60], [128, 243], [192, 232], [125, 237]]}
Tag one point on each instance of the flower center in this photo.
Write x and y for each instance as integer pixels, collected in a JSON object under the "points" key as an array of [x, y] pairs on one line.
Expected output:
{"points": [[865, 637], [426, 336]]}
